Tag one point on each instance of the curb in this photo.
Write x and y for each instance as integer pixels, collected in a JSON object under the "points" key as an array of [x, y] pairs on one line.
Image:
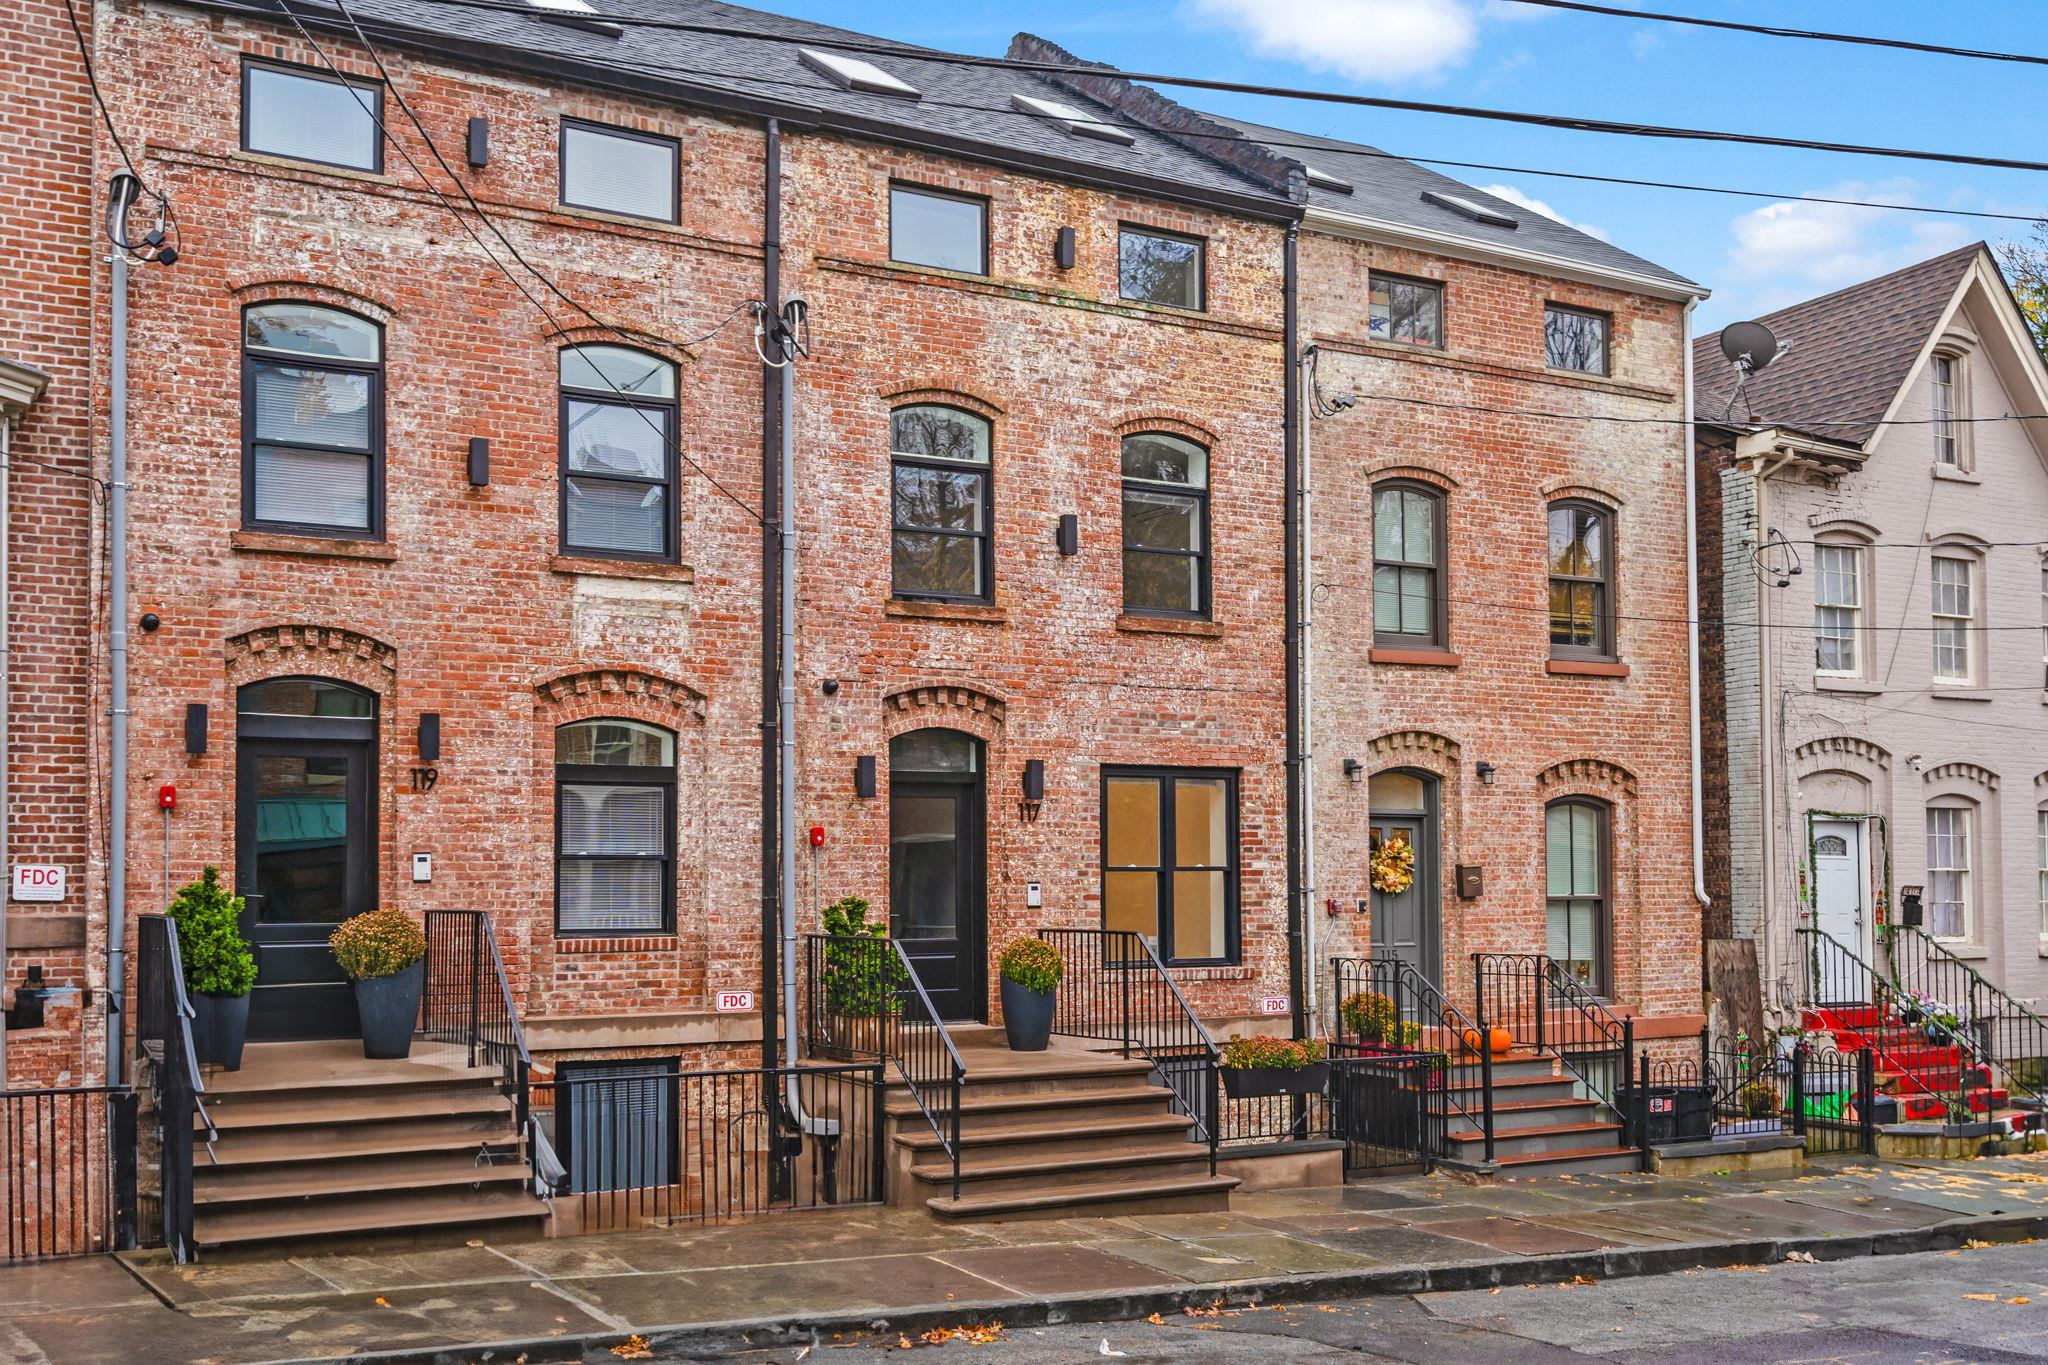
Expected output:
{"points": [[1613, 1263]]}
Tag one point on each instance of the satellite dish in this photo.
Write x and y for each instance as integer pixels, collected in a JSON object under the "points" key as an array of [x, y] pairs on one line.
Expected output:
{"points": [[1749, 345]]}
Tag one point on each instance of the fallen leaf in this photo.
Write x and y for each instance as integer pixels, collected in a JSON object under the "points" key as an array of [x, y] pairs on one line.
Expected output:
{"points": [[633, 1348], [1803, 1257], [1156, 1320], [902, 1342], [1982, 1298], [1494, 1290], [2022, 1299], [1972, 1244], [473, 1244], [382, 1302]]}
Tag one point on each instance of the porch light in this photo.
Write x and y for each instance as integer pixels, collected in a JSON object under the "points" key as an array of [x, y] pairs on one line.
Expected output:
{"points": [[864, 776], [1353, 770], [1034, 791], [1487, 772]]}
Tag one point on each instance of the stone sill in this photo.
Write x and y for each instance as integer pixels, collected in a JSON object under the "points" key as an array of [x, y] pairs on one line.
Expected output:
{"points": [[1212, 973], [312, 547], [1586, 668], [995, 614], [1420, 658], [684, 1028], [1823, 682], [1169, 625], [1940, 693], [592, 567], [632, 943], [1955, 475]]}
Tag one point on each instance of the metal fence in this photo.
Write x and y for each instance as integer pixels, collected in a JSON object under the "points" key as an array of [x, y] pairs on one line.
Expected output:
{"points": [[67, 1171], [1391, 1110], [1826, 1097], [653, 1148]]}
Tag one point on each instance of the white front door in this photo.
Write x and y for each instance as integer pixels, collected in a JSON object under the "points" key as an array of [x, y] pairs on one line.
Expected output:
{"points": [[1841, 907]]}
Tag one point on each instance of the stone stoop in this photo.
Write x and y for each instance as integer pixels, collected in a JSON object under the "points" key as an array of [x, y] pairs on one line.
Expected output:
{"points": [[1056, 1134], [315, 1141], [1540, 1127]]}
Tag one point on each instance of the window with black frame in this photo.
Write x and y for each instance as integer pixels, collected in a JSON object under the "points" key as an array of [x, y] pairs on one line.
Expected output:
{"points": [[1408, 608], [1581, 581], [616, 170], [934, 228], [615, 824], [312, 420], [1160, 267], [1575, 339], [940, 465], [615, 1124], [310, 116], [1166, 526], [1169, 860], [618, 454], [1407, 311]]}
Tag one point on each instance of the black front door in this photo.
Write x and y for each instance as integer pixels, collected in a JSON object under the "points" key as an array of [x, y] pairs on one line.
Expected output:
{"points": [[305, 848], [937, 885]]}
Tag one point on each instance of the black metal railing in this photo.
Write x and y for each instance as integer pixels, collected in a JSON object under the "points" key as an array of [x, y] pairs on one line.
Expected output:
{"points": [[1114, 989], [466, 1007], [861, 997], [1831, 1099], [67, 1171], [1868, 1012], [1423, 1019], [163, 1034], [1259, 1120], [1390, 1109], [2001, 1032], [1544, 1006], [703, 1146]]}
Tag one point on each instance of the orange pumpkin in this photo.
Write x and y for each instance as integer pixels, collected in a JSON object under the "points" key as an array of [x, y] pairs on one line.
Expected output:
{"points": [[1503, 1042], [1470, 1038]]}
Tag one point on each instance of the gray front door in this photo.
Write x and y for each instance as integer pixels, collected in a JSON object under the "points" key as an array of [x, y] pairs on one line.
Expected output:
{"points": [[1408, 924]]}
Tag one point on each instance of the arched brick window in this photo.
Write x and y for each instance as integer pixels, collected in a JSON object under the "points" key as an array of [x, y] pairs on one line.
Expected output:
{"points": [[312, 420], [615, 827]]}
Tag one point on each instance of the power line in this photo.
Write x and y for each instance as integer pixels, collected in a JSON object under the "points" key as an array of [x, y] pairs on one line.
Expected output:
{"points": [[92, 83], [1567, 122], [1774, 31], [1800, 423]]}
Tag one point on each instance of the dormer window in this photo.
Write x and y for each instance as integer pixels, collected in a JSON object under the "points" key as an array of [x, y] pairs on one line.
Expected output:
{"points": [[1076, 121], [851, 73]]}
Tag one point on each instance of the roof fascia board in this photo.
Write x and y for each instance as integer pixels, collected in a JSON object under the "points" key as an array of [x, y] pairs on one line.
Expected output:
{"points": [[1361, 228], [643, 85], [1797, 449]]}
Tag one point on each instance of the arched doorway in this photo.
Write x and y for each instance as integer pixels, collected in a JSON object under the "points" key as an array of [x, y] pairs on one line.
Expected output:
{"points": [[1408, 924], [305, 844], [938, 881]]}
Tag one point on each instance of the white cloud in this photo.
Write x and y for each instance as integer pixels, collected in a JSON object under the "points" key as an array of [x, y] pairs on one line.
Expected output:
{"points": [[1367, 40], [1644, 41], [1535, 205], [1795, 249]]}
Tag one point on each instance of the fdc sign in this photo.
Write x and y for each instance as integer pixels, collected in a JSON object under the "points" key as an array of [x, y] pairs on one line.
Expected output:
{"points": [[38, 882]]}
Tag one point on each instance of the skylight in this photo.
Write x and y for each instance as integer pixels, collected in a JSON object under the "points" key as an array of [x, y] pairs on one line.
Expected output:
{"points": [[1325, 181], [855, 74], [576, 14], [1477, 212], [566, 6], [1075, 121]]}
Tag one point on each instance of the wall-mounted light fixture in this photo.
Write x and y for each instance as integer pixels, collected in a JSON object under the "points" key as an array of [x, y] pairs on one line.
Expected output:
{"points": [[479, 461], [1487, 772], [864, 776], [1063, 248], [1068, 537], [1034, 791], [430, 735], [1353, 770], [479, 142], [195, 727]]}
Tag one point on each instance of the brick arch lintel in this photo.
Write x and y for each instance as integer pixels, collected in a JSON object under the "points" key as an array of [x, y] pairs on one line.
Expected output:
{"points": [[1558, 490], [309, 646], [1408, 468], [1967, 772], [1171, 426], [1846, 746], [622, 683], [1588, 772], [272, 289], [939, 699], [949, 392], [1397, 748], [630, 337], [2041, 779]]}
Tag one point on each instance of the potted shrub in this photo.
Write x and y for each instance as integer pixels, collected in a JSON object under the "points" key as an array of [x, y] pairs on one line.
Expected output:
{"points": [[863, 981], [1760, 1100], [220, 968], [1030, 969], [1261, 1066], [1371, 1017], [384, 953]]}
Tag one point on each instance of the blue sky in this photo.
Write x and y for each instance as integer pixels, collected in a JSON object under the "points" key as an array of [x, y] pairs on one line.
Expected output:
{"points": [[1756, 255]]}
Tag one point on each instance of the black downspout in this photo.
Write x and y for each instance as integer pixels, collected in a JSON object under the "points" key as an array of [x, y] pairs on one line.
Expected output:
{"points": [[771, 446], [1290, 428]]}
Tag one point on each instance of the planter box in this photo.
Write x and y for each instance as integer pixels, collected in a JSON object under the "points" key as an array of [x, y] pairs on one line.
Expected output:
{"points": [[1241, 1084]]}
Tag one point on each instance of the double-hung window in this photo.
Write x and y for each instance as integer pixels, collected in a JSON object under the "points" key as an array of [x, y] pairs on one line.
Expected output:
{"points": [[1576, 869], [1166, 526], [2041, 868], [1947, 405], [1408, 311], [1837, 609], [1575, 339], [1581, 581], [1954, 618], [1169, 860], [940, 545], [1948, 871], [312, 421], [1407, 566], [938, 229], [311, 117], [618, 461], [616, 171], [1160, 267], [615, 828]]}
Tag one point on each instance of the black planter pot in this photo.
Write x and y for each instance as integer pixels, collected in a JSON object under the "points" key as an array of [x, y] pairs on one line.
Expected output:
{"points": [[1248, 1084], [220, 1024], [389, 1006], [1027, 1017]]}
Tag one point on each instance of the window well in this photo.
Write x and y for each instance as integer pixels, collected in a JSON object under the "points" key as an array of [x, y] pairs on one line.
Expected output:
{"points": [[1076, 121], [855, 74]]}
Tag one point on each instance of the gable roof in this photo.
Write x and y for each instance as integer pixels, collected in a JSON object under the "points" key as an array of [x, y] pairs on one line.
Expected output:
{"points": [[1387, 189], [1851, 351]]}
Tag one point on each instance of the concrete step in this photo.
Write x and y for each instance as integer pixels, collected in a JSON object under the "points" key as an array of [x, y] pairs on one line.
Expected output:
{"points": [[409, 1171], [1056, 1138], [1554, 1137], [1077, 1106], [1026, 1175], [1573, 1161], [439, 1216], [315, 1146], [1203, 1193], [1518, 1114], [246, 1113]]}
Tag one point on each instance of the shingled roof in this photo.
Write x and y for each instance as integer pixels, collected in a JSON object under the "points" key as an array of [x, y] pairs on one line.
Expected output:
{"points": [[1851, 351]]}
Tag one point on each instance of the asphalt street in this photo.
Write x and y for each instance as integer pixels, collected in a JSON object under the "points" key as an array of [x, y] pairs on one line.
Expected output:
{"points": [[1980, 1304]]}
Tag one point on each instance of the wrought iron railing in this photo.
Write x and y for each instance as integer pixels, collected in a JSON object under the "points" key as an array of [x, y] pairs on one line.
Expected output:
{"points": [[651, 1149], [1419, 1007], [2000, 1031], [163, 1033], [1868, 1012], [466, 1005], [1543, 1005], [861, 997], [1114, 989], [1391, 1110], [67, 1171]]}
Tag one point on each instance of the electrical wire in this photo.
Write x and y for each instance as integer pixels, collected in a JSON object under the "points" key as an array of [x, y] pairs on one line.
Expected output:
{"points": [[1760, 424], [92, 83], [1566, 122], [1774, 31], [670, 440]]}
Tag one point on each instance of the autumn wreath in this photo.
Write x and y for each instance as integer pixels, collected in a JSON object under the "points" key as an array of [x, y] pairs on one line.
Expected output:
{"points": [[1393, 866]]}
